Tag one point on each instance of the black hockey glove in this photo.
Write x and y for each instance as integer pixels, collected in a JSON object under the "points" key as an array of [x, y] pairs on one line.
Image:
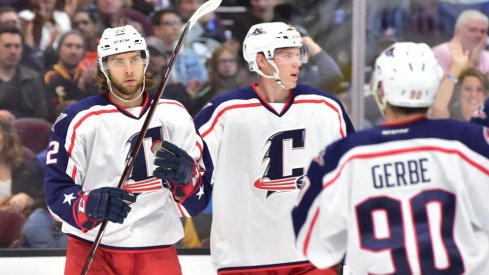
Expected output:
{"points": [[102, 203], [176, 168]]}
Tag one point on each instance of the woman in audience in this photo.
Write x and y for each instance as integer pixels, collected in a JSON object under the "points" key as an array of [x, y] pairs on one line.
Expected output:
{"points": [[225, 74], [21, 180], [49, 23], [462, 90], [471, 88]]}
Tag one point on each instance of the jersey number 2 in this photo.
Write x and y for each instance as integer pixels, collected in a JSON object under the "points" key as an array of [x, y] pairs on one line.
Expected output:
{"points": [[425, 238]]}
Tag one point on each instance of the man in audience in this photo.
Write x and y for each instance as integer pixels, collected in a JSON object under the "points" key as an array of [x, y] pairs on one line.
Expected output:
{"points": [[471, 30], [114, 13], [68, 82], [157, 66], [189, 69], [260, 11], [30, 58], [22, 91], [321, 70], [209, 25], [86, 23]]}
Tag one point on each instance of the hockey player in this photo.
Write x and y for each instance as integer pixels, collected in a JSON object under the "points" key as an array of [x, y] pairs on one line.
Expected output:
{"points": [[406, 197], [90, 143], [260, 139]]}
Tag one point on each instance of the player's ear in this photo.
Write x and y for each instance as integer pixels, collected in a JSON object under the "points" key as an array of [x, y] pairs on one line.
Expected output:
{"points": [[381, 92], [261, 61]]}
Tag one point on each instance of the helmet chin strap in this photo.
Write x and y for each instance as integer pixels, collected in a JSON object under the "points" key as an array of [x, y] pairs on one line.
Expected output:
{"points": [[277, 78], [275, 75]]}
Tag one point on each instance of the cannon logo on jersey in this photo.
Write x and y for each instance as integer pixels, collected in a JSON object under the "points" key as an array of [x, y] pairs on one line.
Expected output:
{"points": [[141, 178], [277, 176]]}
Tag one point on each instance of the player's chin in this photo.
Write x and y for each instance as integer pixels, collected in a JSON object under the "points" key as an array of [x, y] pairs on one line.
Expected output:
{"points": [[291, 84]]}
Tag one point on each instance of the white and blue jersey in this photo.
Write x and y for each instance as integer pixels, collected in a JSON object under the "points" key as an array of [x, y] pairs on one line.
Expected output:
{"points": [[88, 149], [400, 199], [259, 153]]}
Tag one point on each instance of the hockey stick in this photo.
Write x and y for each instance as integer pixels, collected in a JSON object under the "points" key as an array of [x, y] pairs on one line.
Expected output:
{"points": [[205, 8]]}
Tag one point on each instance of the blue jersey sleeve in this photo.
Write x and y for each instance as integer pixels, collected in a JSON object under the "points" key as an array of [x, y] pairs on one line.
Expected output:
{"points": [[60, 189]]}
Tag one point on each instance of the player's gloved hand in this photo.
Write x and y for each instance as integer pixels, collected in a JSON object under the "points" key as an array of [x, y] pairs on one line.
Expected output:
{"points": [[102, 203], [175, 167]]}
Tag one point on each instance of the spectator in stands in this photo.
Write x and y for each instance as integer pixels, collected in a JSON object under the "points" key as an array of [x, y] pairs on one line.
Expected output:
{"points": [[157, 66], [30, 58], [471, 90], [67, 81], [387, 18], [20, 179], [209, 25], [345, 98], [86, 23], [40, 230], [116, 13], [260, 11], [22, 93], [448, 12], [189, 69], [9, 16], [185, 8], [225, 74], [471, 29], [462, 90], [50, 22], [321, 71], [148, 7]]}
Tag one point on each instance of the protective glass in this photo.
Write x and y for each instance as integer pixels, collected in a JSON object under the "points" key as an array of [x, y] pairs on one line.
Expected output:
{"points": [[122, 63], [289, 58]]}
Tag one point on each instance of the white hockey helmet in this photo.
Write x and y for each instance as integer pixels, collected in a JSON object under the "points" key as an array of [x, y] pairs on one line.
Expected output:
{"points": [[121, 40], [409, 74], [266, 38]]}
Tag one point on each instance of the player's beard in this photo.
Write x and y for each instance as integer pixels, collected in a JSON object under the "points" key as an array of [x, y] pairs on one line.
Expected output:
{"points": [[127, 92]]}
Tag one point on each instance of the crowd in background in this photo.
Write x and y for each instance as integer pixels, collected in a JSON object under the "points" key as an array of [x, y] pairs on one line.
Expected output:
{"points": [[48, 60]]}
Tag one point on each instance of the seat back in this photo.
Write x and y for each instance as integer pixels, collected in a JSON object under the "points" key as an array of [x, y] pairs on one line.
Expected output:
{"points": [[10, 227], [34, 133]]}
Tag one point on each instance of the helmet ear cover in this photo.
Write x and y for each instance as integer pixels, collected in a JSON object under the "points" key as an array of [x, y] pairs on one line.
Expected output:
{"points": [[406, 74]]}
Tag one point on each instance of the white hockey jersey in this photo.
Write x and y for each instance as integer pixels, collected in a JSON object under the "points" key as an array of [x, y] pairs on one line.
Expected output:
{"points": [[259, 156], [400, 199], [88, 149]]}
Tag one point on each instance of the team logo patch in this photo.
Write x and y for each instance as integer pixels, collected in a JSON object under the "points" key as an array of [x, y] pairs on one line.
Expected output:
{"points": [[258, 31], [280, 171], [389, 52]]}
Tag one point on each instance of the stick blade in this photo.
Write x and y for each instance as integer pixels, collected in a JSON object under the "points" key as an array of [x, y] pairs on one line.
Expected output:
{"points": [[205, 8]]}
